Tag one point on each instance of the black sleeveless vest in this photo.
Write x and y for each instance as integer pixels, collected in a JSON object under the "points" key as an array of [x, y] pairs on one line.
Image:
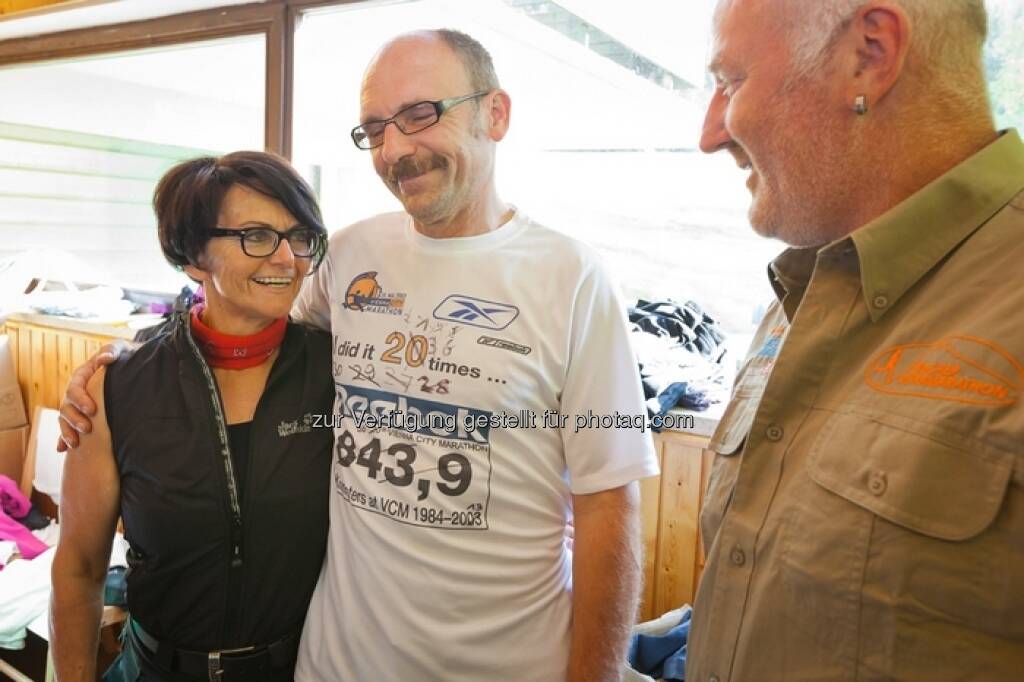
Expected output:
{"points": [[205, 571]]}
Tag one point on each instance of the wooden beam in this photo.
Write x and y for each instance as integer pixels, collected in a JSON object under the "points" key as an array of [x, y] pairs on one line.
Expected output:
{"points": [[277, 128], [220, 22]]}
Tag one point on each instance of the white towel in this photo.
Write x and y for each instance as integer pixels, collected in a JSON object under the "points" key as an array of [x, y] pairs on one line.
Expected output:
{"points": [[24, 595]]}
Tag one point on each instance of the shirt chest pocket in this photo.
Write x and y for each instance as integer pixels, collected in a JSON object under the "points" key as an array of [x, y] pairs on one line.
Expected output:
{"points": [[727, 444], [946, 515]]}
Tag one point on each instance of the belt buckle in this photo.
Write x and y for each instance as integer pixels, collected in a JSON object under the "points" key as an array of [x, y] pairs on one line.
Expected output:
{"points": [[214, 670]]}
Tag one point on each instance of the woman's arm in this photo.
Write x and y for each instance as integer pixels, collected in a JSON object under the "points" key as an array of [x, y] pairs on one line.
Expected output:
{"points": [[88, 516]]}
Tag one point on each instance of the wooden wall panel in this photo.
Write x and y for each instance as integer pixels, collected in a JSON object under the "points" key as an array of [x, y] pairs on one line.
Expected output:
{"points": [[677, 537], [50, 393], [671, 523], [44, 358], [707, 457], [35, 377], [23, 359], [78, 354], [63, 360]]}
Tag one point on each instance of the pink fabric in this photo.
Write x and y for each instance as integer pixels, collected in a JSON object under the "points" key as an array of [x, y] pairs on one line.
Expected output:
{"points": [[12, 502], [29, 545]]}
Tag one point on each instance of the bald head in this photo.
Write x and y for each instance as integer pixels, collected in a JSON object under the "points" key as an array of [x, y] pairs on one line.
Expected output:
{"points": [[473, 57]]}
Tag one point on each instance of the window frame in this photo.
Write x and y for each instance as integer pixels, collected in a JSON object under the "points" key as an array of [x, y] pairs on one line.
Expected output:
{"points": [[276, 20]]}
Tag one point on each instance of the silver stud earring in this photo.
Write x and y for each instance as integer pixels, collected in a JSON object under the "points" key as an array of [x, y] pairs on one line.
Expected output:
{"points": [[860, 105]]}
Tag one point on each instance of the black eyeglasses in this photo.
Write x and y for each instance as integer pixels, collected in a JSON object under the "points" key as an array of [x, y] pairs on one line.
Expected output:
{"points": [[260, 242], [412, 119]]}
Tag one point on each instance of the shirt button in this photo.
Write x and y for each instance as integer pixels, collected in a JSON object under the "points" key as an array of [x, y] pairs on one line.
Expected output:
{"points": [[877, 483], [774, 433], [713, 678], [738, 556], [881, 301]]}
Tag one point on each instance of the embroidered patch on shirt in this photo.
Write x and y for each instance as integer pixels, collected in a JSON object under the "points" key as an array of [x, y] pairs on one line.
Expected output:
{"points": [[962, 369], [764, 359], [751, 380], [290, 428], [772, 343]]}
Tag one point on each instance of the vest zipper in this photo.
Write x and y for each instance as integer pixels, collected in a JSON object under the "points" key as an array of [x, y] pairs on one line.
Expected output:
{"points": [[229, 469], [222, 433]]}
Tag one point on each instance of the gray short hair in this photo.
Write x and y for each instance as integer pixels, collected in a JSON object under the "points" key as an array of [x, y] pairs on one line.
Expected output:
{"points": [[947, 38], [474, 57]]}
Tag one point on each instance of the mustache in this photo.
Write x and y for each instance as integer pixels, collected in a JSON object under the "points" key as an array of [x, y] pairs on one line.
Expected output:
{"points": [[408, 167]]}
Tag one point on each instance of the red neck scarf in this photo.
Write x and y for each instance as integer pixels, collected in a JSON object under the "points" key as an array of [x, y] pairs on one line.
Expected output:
{"points": [[236, 352]]}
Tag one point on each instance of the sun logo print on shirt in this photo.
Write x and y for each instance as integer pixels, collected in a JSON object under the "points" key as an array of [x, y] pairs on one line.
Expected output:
{"points": [[365, 294], [361, 290]]}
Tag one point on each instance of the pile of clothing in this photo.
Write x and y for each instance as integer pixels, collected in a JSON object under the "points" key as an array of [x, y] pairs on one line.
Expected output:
{"points": [[681, 355], [28, 542], [19, 521], [24, 581], [104, 302]]}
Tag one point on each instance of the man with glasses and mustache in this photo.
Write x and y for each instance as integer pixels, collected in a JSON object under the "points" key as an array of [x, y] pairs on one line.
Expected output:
{"points": [[446, 559], [468, 339]]}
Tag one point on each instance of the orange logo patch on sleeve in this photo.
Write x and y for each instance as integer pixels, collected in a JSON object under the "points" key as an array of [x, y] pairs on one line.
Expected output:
{"points": [[961, 369]]}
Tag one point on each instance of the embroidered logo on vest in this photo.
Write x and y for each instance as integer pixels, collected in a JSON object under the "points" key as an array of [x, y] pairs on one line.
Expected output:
{"points": [[304, 425]]}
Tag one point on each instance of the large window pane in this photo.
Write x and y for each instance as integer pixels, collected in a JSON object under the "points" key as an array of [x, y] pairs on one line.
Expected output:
{"points": [[83, 142], [1004, 61], [606, 117], [607, 104]]}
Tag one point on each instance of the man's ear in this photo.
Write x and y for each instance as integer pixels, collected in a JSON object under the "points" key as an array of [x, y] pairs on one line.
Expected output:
{"points": [[499, 115], [880, 35]]}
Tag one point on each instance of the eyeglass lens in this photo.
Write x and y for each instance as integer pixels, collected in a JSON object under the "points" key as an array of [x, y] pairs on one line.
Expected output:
{"points": [[409, 121], [261, 242]]}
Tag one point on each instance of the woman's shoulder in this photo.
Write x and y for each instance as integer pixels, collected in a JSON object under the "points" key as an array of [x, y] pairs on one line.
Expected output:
{"points": [[159, 350], [314, 338]]}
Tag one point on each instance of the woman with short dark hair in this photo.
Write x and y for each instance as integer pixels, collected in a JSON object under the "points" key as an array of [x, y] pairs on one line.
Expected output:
{"points": [[203, 444]]}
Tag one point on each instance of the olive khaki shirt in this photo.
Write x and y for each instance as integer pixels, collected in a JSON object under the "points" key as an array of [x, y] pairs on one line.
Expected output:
{"points": [[864, 516]]}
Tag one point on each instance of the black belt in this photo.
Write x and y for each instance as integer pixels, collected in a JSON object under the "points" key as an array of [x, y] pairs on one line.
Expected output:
{"points": [[244, 663]]}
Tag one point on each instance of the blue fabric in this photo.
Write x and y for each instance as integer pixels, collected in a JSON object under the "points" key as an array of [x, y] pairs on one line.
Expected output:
{"points": [[677, 394], [662, 656], [127, 667], [115, 588]]}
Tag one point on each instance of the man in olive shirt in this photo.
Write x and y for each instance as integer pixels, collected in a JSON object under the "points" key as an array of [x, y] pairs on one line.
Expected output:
{"points": [[864, 517]]}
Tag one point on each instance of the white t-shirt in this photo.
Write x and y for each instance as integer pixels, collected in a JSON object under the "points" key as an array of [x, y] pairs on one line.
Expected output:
{"points": [[446, 558]]}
